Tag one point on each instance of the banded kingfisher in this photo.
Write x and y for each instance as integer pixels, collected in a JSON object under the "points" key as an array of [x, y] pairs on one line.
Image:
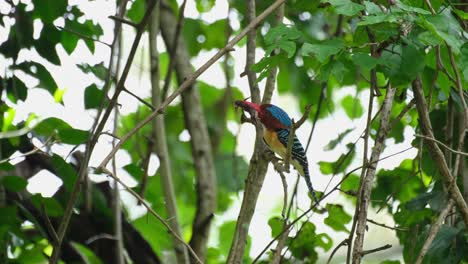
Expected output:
{"points": [[276, 129]]}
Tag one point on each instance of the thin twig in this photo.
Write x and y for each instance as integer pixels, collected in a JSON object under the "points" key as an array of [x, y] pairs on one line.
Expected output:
{"points": [[124, 21], [151, 210], [442, 144], [367, 181], [189, 81], [386, 226], [341, 244], [370, 251], [141, 100], [49, 226], [434, 230]]}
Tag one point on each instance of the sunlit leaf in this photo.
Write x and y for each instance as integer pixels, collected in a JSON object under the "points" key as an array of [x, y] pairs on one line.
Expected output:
{"points": [[337, 217]]}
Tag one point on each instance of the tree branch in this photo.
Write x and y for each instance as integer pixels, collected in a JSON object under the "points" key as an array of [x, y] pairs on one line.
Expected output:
{"points": [[151, 210], [442, 144], [191, 79], [435, 151], [434, 230], [366, 186], [370, 251], [158, 135]]}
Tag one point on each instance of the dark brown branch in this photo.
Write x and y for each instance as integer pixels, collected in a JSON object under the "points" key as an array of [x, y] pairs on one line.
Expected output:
{"points": [[49, 226], [370, 251], [367, 181], [442, 144], [386, 226], [124, 21], [141, 100], [159, 143], [436, 152], [341, 244], [434, 230]]}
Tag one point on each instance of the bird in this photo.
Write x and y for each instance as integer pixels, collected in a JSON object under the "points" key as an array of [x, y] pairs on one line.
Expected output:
{"points": [[276, 129]]}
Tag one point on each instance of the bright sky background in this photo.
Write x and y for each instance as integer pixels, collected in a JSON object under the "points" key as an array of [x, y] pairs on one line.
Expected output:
{"points": [[70, 78]]}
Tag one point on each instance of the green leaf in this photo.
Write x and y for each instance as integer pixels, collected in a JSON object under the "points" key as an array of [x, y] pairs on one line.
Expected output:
{"points": [[403, 65], [137, 11], [444, 238], [337, 217], [64, 132], [134, 170], [324, 50], [58, 96], [16, 89], [372, 8], [352, 107], [88, 255], [99, 70], [333, 143], [49, 10], [303, 245], [46, 43], [351, 183], [412, 9], [6, 166], [73, 136], [9, 116], [324, 241], [204, 5], [345, 7], [226, 232], [339, 165], [50, 125], [37, 70], [463, 61], [276, 224], [365, 61], [14, 183], [93, 97], [282, 32], [288, 46], [88, 29], [52, 207], [65, 171], [377, 19]]}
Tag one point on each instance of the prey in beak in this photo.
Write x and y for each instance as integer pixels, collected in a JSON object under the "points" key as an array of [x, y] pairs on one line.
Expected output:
{"points": [[248, 107]]}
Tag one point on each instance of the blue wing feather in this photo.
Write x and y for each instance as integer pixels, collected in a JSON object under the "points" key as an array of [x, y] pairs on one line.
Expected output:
{"points": [[280, 114]]}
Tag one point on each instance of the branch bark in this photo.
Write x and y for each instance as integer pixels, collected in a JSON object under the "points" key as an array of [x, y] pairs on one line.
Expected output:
{"points": [[436, 152], [160, 141], [433, 231], [258, 163], [368, 180], [200, 141]]}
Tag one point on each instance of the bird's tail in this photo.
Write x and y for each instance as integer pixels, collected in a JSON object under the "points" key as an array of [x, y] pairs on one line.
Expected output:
{"points": [[309, 184]]}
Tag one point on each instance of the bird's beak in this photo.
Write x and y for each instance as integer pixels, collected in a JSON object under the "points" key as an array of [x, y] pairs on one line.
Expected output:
{"points": [[246, 106]]}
